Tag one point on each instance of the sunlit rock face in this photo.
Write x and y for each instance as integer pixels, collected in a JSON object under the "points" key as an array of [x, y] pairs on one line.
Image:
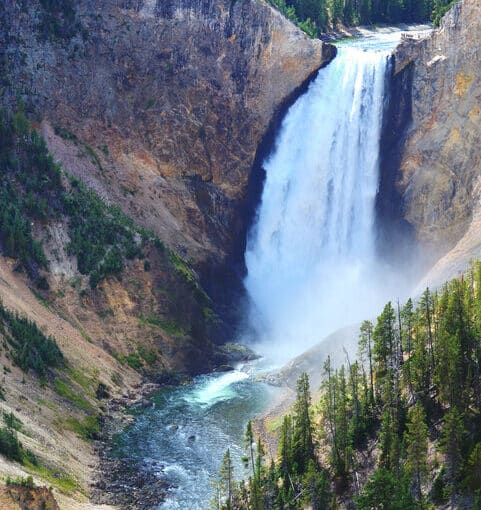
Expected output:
{"points": [[440, 162], [173, 97]]}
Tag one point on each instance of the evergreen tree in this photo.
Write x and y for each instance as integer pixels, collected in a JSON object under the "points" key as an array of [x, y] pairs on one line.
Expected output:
{"points": [[285, 447], [302, 436], [416, 438], [365, 347], [452, 444], [384, 491], [473, 478], [226, 478], [315, 485], [249, 444]]}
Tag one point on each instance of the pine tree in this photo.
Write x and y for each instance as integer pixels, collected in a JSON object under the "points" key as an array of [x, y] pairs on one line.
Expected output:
{"points": [[473, 478], [416, 438], [249, 444], [226, 478], [365, 347], [315, 485], [302, 436], [384, 342], [452, 442], [285, 447]]}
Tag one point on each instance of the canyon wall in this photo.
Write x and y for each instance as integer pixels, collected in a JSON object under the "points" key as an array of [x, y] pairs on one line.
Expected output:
{"points": [[436, 190]]}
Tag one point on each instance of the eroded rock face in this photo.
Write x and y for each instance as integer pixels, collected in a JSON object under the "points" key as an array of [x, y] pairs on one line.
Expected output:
{"points": [[440, 162], [173, 98]]}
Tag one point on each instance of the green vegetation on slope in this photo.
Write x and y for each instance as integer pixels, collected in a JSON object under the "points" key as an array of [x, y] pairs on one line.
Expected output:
{"points": [[318, 16], [36, 196], [101, 237], [10, 446], [412, 400], [28, 190], [31, 349], [33, 191]]}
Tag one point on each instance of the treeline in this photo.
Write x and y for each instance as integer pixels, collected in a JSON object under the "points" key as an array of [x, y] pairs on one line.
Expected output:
{"points": [[409, 405], [318, 16]]}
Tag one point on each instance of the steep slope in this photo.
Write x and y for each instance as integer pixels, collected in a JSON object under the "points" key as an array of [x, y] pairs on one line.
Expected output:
{"points": [[54, 414], [440, 162], [172, 99]]}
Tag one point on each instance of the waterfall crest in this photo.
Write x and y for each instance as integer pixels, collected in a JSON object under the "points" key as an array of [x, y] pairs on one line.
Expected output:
{"points": [[311, 256]]}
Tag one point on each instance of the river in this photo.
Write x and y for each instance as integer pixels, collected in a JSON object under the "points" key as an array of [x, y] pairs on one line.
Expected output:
{"points": [[184, 435]]}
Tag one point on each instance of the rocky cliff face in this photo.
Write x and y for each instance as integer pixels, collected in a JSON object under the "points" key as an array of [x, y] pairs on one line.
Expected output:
{"points": [[440, 162], [171, 98]]}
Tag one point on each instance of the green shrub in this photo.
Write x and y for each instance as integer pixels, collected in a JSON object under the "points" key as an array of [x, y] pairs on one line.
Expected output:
{"points": [[12, 422], [134, 361], [148, 355], [170, 327], [26, 482], [12, 449], [31, 348]]}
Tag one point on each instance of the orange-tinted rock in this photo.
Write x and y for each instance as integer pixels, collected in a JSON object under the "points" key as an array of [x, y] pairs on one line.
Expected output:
{"points": [[440, 167]]}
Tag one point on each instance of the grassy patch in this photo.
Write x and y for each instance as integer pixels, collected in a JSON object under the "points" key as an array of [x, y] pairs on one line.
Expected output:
{"points": [[170, 327], [148, 355], [41, 299], [273, 424], [87, 429], [87, 383], [182, 268], [58, 479], [93, 157], [85, 336], [45, 403], [66, 392], [133, 360]]}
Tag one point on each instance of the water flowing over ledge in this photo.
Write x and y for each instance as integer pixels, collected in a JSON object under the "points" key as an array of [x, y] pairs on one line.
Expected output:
{"points": [[311, 254]]}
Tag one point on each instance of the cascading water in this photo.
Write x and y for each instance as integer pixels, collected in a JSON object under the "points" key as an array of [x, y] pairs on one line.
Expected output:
{"points": [[311, 256]]}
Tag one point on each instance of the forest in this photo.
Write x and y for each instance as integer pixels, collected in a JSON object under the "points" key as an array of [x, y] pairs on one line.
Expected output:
{"points": [[316, 17], [398, 428]]}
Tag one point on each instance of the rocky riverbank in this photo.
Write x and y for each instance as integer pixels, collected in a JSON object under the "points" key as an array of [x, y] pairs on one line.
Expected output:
{"points": [[125, 482]]}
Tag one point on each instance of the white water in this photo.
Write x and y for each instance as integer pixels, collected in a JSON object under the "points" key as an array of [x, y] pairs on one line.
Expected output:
{"points": [[216, 390], [311, 256]]}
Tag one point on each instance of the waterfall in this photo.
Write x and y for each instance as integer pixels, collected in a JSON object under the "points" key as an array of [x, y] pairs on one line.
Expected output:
{"points": [[311, 254]]}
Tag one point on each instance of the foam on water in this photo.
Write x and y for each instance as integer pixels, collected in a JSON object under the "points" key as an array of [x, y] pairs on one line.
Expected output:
{"points": [[215, 389]]}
